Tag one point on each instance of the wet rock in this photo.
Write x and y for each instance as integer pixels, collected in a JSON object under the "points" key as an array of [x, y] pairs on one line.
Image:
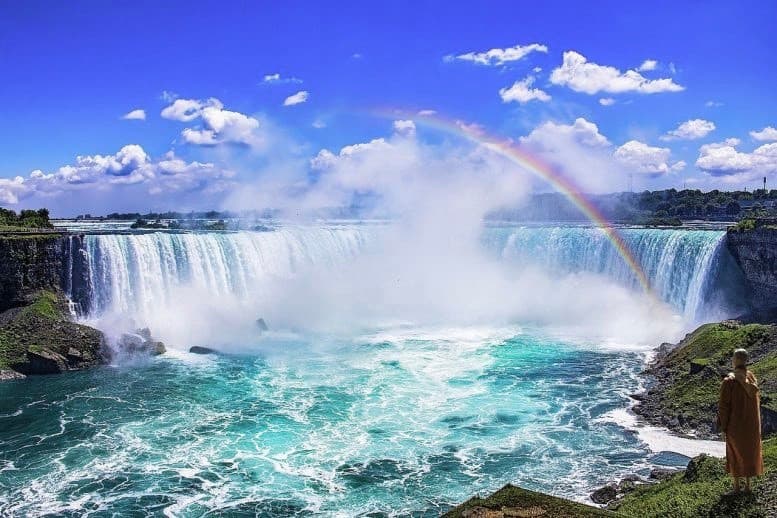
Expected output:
{"points": [[202, 350], [44, 361], [140, 343], [605, 494], [262, 325], [482, 512], [661, 473], [8, 374]]}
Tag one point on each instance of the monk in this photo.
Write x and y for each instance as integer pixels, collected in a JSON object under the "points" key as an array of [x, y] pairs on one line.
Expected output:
{"points": [[739, 418]]}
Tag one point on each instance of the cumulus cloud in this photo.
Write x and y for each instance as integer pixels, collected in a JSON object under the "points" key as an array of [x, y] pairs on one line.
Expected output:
{"points": [[129, 166], [275, 79], [606, 101], [135, 115], [522, 92], [186, 110], [723, 160], [648, 65], [580, 151], [298, 98], [581, 131], [642, 158], [497, 57], [690, 130], [404, 127], [219, 126], [577, 73], [768, 134]]}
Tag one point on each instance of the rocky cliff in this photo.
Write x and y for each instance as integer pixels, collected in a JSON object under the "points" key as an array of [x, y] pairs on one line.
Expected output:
{"points": [[754, 248], [30, 263]]}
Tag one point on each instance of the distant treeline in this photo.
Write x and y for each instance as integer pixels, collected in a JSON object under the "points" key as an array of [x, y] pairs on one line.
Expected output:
{"points": [[151, 216], [664, 206], [25, 219]]}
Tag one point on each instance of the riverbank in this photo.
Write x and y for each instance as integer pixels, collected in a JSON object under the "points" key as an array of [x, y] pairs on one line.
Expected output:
{"points": [[681, 396]]}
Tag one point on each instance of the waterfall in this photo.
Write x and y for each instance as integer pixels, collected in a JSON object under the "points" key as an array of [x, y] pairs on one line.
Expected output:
{"points": [[134, 273], [678, 263]]}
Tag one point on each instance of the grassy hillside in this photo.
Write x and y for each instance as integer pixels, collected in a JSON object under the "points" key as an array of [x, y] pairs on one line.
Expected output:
{"points": [[688, 378], [40, 338]]}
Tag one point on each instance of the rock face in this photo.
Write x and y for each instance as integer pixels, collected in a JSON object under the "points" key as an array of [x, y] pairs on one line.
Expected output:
{"points": [[755, 251], [27, 264], [41, 338], [43, 262], [140, 342]]}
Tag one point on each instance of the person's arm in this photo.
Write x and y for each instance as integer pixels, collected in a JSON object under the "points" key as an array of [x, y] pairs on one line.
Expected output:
{"points": [[724, 405]]}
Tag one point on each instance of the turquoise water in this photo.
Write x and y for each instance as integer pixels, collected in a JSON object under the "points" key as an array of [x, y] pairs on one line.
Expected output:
{"points": [[397, 379], [407, 423]]}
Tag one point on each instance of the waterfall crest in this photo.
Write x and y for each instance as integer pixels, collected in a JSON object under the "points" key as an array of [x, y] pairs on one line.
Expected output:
{"points": [[134, 273]]}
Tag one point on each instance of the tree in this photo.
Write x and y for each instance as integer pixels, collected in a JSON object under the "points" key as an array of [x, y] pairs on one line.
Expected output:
{"points": [[733, 208]]}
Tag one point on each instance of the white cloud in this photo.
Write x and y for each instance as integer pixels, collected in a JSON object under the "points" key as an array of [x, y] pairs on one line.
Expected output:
{"points": [[690, 130], [768, 134], [642, 158], [219, 126], [496, 57], [129, 166], [298, 98], [404, 127], [606, 101], [222, 126], [722, 159], [713, 104], [319, 124], [185, 110], [648, 65], [580, 75], [522, 92], [276, 78], [135, 115], [581, 131], [168, 96], [426, 113]]}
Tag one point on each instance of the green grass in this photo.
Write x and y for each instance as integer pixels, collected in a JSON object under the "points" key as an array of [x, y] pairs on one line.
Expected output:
{"points": [[45, 305], [529, 503], [744, 225], [711, 346], [701, 495]]}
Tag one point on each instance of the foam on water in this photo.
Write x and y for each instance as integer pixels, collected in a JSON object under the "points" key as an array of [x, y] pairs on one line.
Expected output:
{"points": [[396, 414]]}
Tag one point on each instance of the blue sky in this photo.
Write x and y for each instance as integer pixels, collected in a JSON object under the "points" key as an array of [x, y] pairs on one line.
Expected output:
{"points": [[665, 95]]}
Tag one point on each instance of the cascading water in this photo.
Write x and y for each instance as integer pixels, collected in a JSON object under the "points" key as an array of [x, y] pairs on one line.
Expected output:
{"points": [[135, 273], [678, 263], [401, 418]]}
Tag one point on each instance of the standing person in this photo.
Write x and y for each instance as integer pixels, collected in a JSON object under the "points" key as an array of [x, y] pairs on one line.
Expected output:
{"points": [[739, 417]]}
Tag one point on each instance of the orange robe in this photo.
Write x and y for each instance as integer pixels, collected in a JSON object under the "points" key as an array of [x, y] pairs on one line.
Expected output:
{"points": [[739, 417]]}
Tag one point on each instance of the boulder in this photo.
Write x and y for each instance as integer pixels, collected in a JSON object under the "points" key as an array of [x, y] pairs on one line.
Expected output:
{"points": [[8, 374], [262, 325], [44, 361], [605, 494], [202, 350], [140, 343], [661, 473]]}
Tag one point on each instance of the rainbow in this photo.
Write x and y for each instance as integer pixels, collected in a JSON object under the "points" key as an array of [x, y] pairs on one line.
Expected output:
{"points": [[537, 167]]}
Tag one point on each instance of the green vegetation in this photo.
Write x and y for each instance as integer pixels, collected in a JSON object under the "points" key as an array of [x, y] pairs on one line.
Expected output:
{"points": [[44, 327], [702, 491], [516, 501], [26, 219], [744, 225], [695, 368]]}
